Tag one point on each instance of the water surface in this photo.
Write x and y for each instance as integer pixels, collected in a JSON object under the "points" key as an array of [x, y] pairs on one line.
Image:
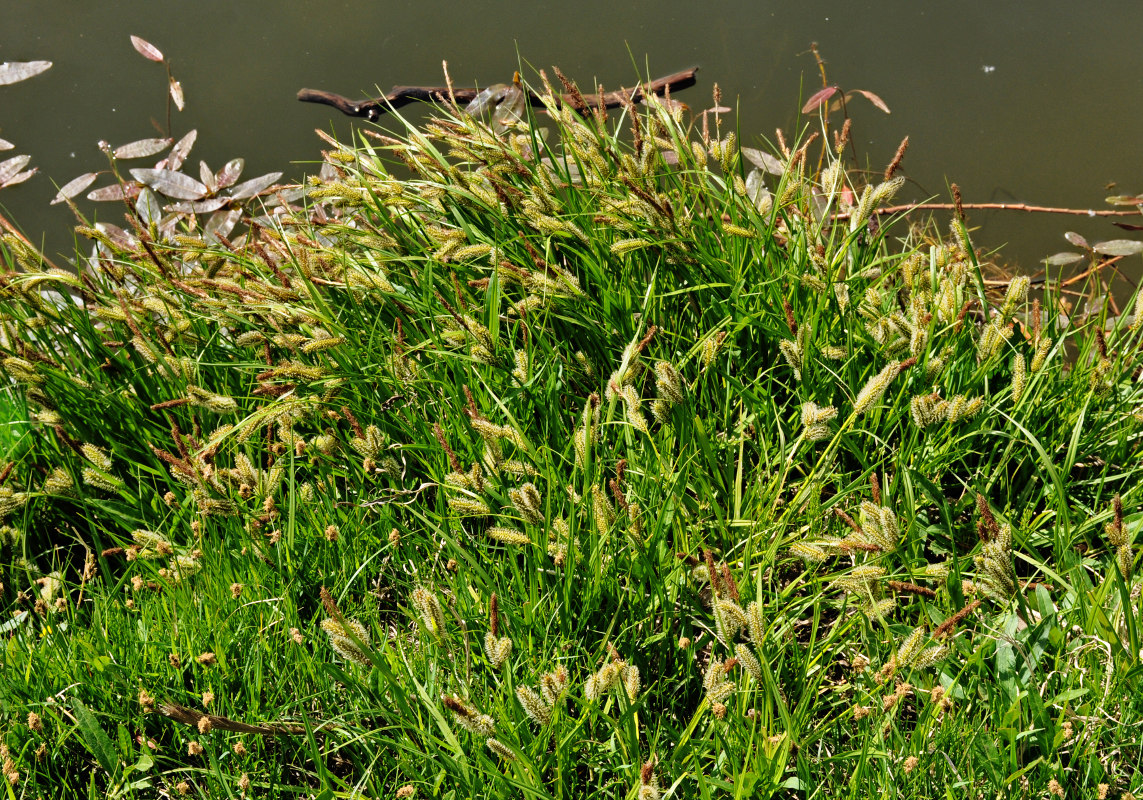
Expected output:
{"points": [[1015, 101]]}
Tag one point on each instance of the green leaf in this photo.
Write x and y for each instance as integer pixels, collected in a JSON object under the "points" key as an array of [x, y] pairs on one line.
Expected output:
{"points": [[94, 738]]}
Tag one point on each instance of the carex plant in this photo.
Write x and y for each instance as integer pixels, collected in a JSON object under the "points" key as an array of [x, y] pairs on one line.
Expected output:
{"points": [[564, 453]]}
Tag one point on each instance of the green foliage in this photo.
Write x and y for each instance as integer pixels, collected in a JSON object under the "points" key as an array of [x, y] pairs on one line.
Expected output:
{"points": [[529, 458]]}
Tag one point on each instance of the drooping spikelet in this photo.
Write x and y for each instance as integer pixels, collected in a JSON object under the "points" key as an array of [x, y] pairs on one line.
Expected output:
{"points": [[534, 706], [429, 608], [344, 638], [528, 503], [815, 421], [875, 388]]}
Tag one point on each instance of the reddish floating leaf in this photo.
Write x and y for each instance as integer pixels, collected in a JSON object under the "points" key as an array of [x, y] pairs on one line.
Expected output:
{"points": [[874, 99], [6, 145], [207, 177], [142, 148], [115, 191], [1077, 240], [221, 224], [16, 71], [818, 98], [229, 172], [177, 94], [181, 150], [74, 187], [146, 49], [1124, 200], [147, 207], [170, 183], [1118, 247], [1127, 226], [12, 166], [254, 186], [19, 177]]}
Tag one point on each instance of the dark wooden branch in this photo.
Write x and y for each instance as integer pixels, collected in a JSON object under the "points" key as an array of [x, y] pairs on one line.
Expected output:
{"points": [[403, 95]]}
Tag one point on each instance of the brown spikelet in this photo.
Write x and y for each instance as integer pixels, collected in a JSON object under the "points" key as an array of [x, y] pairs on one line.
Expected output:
{"points": [[961, 315], [4, 473], [910, 588], [494, 614], [1116, 504], [850, 544], [620, 469], [986, 526], [613, 652], [691, 560], [636, 127], [454, 705], [112, 551], [617, 493], [67, 439], [708, 556], [1101, 343], [1037, 323], [601, 107], [182, 401], [843, 139], [728, 582], [646, 339], [330, 605], [875, 487], [573, 97], [790, 321], [958, 202], [453, 461], [950, 624], [896, 162], [729, 664], [353, 423], [782, 143], [448, 83], [470, 408], [848, 520], [906, 364], [647, 772]]}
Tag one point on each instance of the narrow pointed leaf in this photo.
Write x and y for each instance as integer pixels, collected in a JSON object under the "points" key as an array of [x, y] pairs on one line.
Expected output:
{"points": [[15, 71], [874, 99], [74, 187], [141, 148], [147, 207], [181, 150], [12, 166], [95, 738], [221, 223], [1063, 259], [206, 175], [1077, 240], [1124, 200], [20, 177], [115, 191], [170, 183], [146, 49], [486, 99], [254, 186], [1118, 247], [818, 98], [177, 94], [6, 145]]}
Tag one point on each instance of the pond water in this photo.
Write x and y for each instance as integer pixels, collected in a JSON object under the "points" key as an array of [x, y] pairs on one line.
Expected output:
{"points": [[1015, 101]]}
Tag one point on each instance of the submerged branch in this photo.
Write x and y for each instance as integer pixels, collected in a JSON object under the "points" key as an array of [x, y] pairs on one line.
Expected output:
{"points": [[403, 95]]}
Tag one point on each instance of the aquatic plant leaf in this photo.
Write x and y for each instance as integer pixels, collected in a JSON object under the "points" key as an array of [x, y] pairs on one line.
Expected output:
{"points": [[486, 99], [74, 187], [220, 224], [116, 191], [1124, 200], [177, 95], [181, 150], [19, 177], [141, 148], [818, 98], [229, 173], [756, 189], [147, 207], [6, 145], [117, 234], [510, 110], [12, 166], [15, 71], [1063, 259], [146, 49], [1118, 247], [764, 161], [1127, 226], [874, 99], [254, 186], [1077, 240], [170, 183], [206, 175]]}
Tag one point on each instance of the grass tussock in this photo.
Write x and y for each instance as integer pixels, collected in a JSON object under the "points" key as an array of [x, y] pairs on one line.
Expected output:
{"points": [[565, 456]]}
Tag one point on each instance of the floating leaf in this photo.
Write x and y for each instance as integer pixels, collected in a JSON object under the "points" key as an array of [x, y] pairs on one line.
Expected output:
{"points": [[1124, 200], [15, 71], [206, 175], [254, 186], [1077, 240], [486, 99], [220, 224], [170, 183], [142, 148], [117, 234], [1063, 259], [756, 189], [229, 172], [74, 187], [148, 208], [764, 161], [874, 99], [1118, 247], [12, 166], [19, 177], [115, 191], [1127, 226], [146, 49], [818, 98], [177, 94], [181, 150], [6, 145]]}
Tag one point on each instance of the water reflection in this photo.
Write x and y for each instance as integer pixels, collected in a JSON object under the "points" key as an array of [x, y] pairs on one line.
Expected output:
{"points": [[1013, 101]]}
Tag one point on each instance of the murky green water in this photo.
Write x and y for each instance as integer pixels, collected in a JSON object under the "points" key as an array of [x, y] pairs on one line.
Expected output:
{"points": [[1015, 101]]}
